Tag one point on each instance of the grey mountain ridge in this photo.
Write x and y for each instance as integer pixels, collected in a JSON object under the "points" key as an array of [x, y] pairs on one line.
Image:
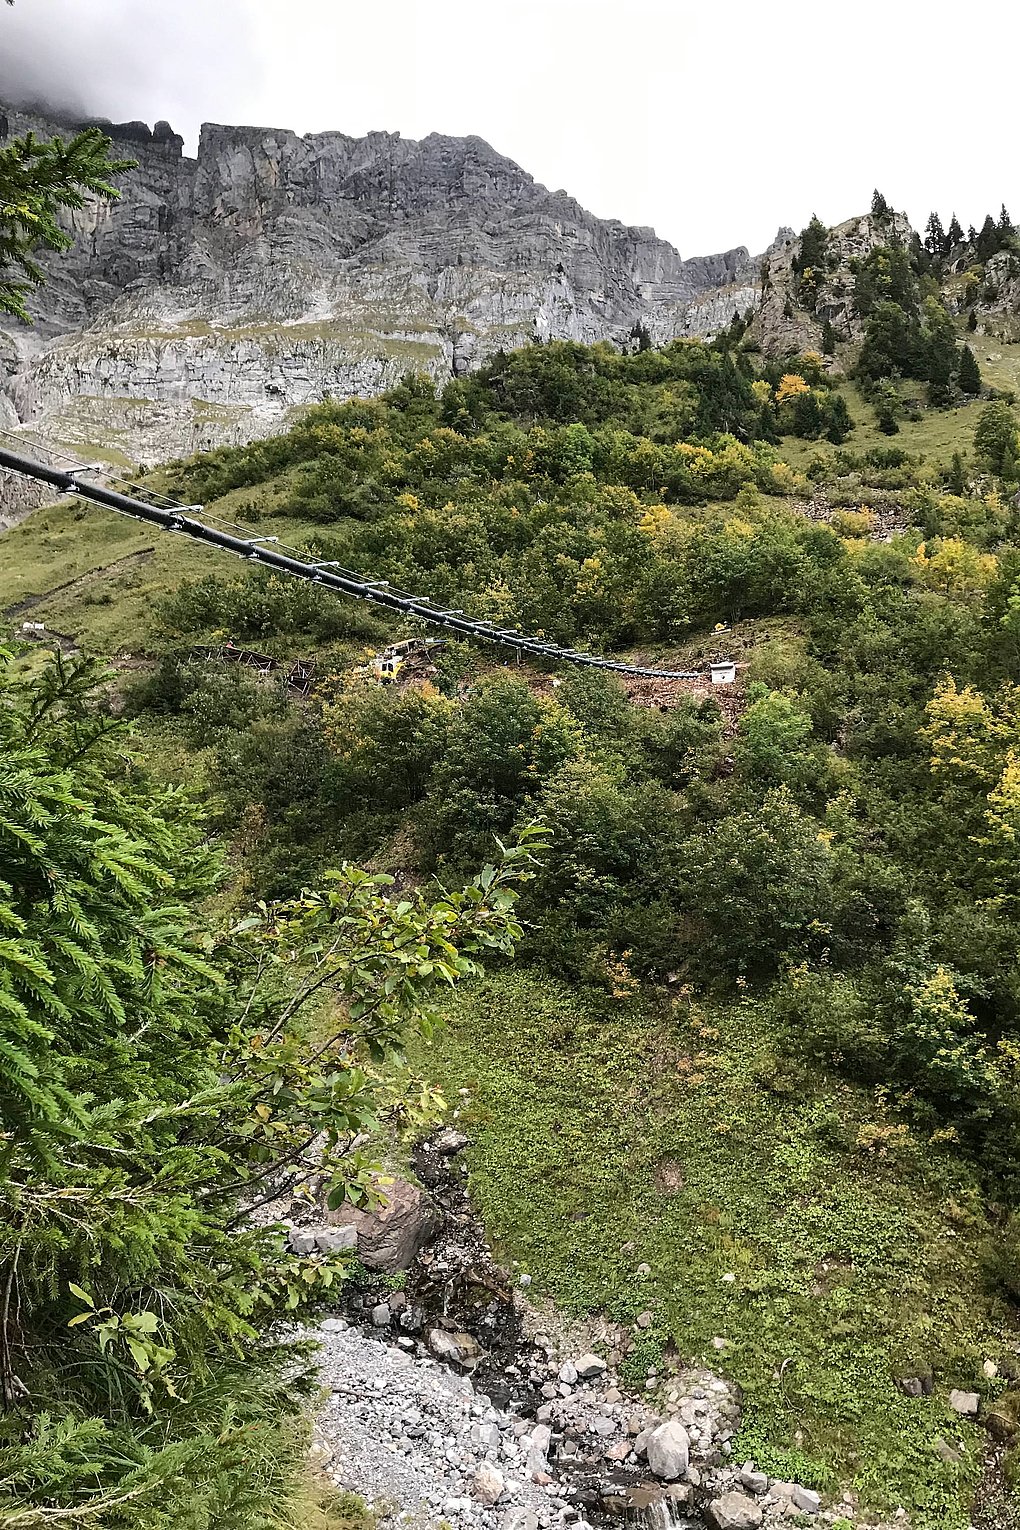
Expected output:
{"points": [[272, 270]]}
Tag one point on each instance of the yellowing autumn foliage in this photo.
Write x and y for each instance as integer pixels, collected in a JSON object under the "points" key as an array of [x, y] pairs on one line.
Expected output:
{"points": [[790, 385], [954, 567]]}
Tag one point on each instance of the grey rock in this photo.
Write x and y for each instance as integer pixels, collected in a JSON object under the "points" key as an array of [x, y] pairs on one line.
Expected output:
{"points": [[733, 1511], [754, 1482], [381, 1315], [449, 1141], [806, 1499], [519, 1519], [301, 1241], [459, 1349], [669, 1450], [568, 1372], [966, 1403], [335, 1240], [590, 1365], [946, 1452]]}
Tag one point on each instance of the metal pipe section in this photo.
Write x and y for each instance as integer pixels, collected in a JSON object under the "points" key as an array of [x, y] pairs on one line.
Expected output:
{"points": [[328, 576]]}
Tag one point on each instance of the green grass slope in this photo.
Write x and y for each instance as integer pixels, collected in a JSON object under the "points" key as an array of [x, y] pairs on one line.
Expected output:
{"points": [[788, 1213]]}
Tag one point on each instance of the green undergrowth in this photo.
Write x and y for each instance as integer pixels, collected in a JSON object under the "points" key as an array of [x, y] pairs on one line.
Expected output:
{"points": [[604, 1137]]}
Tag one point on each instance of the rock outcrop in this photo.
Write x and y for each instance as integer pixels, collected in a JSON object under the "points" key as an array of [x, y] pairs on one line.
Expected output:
{"points": [[221, 292], [784, 324]]}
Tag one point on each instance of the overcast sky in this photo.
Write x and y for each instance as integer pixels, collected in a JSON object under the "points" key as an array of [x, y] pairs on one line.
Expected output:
{"points": [[714, 123]]}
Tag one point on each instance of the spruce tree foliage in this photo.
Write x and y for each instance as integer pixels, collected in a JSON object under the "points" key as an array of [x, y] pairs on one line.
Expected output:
{"points": [[935, 240], [956, 482], [828, 338], [954, 233], [972, 320], [810, 261], [987, 242], [159, 1078], [970, 372], [879, 206], [38, 180]]}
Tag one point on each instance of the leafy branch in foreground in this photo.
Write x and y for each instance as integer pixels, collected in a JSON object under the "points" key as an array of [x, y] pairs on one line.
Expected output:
{"points": [[159, 1081]]}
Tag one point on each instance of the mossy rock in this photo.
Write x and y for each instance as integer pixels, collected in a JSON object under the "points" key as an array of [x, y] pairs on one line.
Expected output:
{"points": [[1003, 1419]]}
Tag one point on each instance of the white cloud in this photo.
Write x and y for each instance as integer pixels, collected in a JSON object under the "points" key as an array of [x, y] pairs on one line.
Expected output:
{"points": [[714, 124]]}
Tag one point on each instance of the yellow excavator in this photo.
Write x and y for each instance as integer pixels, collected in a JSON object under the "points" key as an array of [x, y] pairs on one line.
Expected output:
{"points": [[386, 666]]}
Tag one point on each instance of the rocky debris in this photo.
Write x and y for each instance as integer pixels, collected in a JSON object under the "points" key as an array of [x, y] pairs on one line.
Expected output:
{"points": [[454, 1398], [884, 506], [390, 1237], [410, 1433], [966, 1403]]}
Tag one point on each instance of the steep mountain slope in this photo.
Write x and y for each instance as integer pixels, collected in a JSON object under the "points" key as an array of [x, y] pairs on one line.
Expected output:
{"points": [[274, 270]]}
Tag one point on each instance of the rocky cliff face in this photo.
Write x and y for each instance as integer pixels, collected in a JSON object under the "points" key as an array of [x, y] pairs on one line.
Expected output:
{"points": [[271, 271]]}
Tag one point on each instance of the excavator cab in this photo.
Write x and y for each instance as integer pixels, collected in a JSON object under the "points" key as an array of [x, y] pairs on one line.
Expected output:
{"points": [[387, 665]]}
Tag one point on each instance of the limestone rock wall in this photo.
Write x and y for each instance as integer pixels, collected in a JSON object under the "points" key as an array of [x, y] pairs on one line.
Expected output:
{"points": [[221, 292]]}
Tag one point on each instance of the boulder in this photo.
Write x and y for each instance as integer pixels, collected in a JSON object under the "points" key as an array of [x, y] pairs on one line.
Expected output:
{"points": [[589, 1365], [805, 1499], [487, 1484], [390, 1237], [966, 1403], [734, 1511], [459, 1349], [669, 1450], [449, 1141]]}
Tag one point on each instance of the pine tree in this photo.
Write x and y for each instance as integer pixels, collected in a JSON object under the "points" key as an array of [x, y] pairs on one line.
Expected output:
{"points": [[37, 180], [1007, 232], [954, 233], [987, 242], [970, 372], [879, 206], [972, 320], [957, 482], [935, 241], [828, 338]]}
